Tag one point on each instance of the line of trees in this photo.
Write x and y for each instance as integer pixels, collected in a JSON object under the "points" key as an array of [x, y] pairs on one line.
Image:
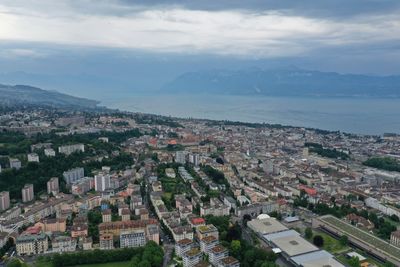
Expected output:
{"points": [[383, 163], [151, 255]]}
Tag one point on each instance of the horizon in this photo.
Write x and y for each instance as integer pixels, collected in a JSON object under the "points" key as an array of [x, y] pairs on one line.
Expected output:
{"points": [[72, 45]]}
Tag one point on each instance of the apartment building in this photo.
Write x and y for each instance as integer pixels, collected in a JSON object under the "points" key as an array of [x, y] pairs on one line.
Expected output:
{"points": [[27, 193], [136, 238], [4, 200], [32, 244]]}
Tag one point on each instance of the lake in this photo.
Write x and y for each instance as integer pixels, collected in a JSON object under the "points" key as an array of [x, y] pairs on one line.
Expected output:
{"points": [[353, 115]]}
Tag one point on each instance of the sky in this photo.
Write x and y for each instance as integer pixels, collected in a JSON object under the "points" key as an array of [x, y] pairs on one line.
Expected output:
{"points": [[70, 45]]}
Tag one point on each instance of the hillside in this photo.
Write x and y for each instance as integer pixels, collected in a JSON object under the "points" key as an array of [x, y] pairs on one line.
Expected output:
{"points": [[28, 95]]}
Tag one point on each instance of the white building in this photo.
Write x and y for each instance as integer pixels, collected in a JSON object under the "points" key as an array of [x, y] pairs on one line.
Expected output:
{"points": [[27, 193], [49, 152], [67, 150], [192, 257], [73, 175], [136, 238], [33, 157], [4, 200], [217, 253], [183, 246], [63, 244], [53, 186], [101, 182], [180, 157], [15, 163]]}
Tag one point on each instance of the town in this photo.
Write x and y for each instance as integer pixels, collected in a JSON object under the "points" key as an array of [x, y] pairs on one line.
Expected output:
{"points": [[144, 190]]}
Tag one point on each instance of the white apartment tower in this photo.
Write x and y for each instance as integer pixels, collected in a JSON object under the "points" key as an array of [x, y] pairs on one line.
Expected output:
{"points": [[27, 193], [101, 182], [53, 186], [4, 200]]}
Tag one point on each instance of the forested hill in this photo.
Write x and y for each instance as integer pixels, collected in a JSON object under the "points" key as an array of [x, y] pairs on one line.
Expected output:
{"points": [[28, 95]]}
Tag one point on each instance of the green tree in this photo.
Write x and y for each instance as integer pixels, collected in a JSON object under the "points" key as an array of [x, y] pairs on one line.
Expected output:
{"points": [[318, 241], [308, 233], [15, 263], [354, 262], [344, 240], [235, 248]]}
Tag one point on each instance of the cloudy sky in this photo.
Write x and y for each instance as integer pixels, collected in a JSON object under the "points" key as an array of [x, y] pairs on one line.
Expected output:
{"points": [[128, 42]]}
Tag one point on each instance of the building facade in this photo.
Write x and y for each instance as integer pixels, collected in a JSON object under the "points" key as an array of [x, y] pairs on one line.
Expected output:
{"points": [[27, 193]]}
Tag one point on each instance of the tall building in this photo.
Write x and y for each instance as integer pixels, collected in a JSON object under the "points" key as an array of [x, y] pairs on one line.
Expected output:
{"points": [[4, 200], [180, 157], [53, 186], [27, 193], [101, 182], [73, 175]]}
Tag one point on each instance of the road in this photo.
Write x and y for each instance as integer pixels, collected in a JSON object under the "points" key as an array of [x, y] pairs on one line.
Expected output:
{"points": [[168, 249]]}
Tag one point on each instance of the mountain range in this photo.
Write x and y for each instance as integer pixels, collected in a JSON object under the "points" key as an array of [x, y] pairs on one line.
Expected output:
{"points": [[28, 95], [284, 82]]}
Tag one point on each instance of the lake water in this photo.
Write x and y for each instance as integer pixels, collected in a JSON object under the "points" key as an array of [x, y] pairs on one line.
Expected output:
{"points": [[354, 115]]}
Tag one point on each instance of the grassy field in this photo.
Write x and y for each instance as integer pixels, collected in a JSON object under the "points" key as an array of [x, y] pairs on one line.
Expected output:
{"points": [[343, 259], [110, 264], [331, 244]]}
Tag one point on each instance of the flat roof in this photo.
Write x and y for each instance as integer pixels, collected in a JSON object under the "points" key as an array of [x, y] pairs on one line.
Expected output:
{"points": [[316, 258], [291, 242], [266, 226]]}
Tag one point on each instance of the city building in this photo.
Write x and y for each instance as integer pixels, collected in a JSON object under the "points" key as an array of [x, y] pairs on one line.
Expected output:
{"points": [[180, 157], [106, 241], [53, 186], [82, 186], [101, 182], [136, 238], [63, 244], [183, 246], [106, 215], [207, 230], [27, 193], [33, 157], [15, 164], [192, 257], [87, 243], [69, 149], [170, 172], [31, 244], [53, 225], [4, 200], [217, 253], [395, 238], [229, 262], [49, 152], [73, 175], [207, 243]]}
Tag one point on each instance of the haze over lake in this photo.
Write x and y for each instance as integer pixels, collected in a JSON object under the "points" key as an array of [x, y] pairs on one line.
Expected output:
{"points": [[354, 115]]}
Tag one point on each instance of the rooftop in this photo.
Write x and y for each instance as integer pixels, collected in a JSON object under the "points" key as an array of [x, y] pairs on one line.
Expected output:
{"points": [[316, 258], [291, 242], [266, 226]]}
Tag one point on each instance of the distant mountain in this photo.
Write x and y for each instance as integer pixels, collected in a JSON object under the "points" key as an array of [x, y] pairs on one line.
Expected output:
{"points": [[284, 82], [28, 95]]}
